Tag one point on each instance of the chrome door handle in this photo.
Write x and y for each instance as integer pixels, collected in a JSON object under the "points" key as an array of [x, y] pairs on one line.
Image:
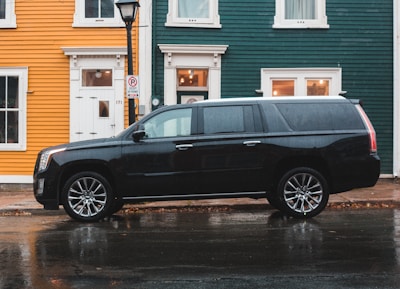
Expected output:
{"points": [[251, 143], [183, 147]]}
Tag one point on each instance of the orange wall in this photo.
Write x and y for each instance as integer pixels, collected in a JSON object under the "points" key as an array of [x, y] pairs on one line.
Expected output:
{"points": [[43, 27]]}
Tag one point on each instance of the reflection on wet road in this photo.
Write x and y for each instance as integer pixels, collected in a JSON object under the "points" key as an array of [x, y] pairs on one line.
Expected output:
{"points": [[338, 249]]}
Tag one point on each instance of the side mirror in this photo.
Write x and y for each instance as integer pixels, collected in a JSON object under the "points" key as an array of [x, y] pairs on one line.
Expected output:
{"points": [[138, 135]]}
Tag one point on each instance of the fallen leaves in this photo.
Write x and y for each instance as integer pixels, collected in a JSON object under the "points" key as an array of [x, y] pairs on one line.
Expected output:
{"points": [[364, 205], [189, 209], [15, 213]]}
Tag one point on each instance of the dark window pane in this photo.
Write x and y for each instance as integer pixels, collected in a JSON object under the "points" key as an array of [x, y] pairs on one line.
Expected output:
{"points": [[12, 127], [91, 9], [2, 91], [9, 109], [107, 9], [104, 108], [2, 9], [330, 117], [223, 119], [2, 127], [12, 99]]}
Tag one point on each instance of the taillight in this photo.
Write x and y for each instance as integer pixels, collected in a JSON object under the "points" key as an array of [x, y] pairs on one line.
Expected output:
{"points": [[370, 128]]}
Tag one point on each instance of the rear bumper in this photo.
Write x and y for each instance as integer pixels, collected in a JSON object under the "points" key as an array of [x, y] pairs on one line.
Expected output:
{"points": [[357, 174]]}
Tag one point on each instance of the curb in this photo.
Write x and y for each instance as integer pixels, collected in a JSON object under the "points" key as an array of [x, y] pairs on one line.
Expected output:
{"points": [[21, 209]]}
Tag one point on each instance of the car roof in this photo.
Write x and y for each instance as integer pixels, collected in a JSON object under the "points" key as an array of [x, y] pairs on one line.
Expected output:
{"points": [[254, 100], [230, 99], [274, 99]]}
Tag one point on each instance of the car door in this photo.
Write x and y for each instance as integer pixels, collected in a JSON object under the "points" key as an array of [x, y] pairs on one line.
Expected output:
{"points": [[162, 162], [229, 148]]}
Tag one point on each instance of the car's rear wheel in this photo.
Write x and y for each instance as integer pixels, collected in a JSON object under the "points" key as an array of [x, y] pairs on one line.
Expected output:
{"points": [[302, 193], [87, 196]]}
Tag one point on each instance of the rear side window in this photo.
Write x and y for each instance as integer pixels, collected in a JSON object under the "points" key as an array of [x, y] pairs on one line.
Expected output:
{"points": [[228, 119], [320, 116]]}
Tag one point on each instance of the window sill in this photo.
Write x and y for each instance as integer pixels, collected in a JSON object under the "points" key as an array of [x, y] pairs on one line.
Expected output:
{"points": [[193, 25], [300, 26], [7, 24], [97, 24]]}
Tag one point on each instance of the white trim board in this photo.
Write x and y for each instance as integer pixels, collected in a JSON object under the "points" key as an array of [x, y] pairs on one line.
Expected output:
{"points": [[16, 179]]}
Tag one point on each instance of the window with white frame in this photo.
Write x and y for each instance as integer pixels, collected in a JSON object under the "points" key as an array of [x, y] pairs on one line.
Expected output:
{"points": [[7, 14], [193, 13], [96, 13], [301, 81], [300, 14], [13, 109]]}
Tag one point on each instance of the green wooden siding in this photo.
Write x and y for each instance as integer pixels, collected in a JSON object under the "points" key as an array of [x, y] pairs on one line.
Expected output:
{"points": [[359, 40]]}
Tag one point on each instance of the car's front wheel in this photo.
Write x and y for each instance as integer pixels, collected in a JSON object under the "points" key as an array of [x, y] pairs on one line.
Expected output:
{"points": [[302, 193], [87, 196]]}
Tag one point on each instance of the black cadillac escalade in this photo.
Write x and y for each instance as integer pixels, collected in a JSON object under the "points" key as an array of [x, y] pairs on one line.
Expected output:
{"points": [[293, 151]]}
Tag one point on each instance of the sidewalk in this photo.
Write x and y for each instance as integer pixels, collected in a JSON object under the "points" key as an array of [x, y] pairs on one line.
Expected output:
{"points": [[385, 193]]}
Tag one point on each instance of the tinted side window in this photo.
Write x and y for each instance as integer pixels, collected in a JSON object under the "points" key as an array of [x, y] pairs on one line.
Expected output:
{"points": [[228, 119], [320, 116], [169, 124]]}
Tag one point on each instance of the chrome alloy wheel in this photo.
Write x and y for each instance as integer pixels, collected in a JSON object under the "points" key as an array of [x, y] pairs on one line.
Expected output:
{"points": [[303, 193], [87, 197]]}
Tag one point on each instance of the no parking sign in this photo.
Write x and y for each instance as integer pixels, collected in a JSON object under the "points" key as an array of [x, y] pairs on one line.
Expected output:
{"points": [[132, 86]]}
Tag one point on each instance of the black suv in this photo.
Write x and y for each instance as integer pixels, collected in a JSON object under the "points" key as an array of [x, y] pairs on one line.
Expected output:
{"points": [[293, 151]]}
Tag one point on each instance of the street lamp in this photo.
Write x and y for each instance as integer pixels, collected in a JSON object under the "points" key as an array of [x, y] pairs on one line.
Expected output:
{"points": [[128, 10]]}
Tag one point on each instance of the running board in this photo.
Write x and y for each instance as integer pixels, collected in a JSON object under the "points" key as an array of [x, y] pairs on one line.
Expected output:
{"points": [[254, 195]]}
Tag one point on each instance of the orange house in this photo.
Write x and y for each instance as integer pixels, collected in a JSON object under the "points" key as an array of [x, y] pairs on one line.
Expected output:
{"points": [[62, 77]]}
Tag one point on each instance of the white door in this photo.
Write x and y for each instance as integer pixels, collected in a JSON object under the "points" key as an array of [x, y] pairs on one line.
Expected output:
{"points": [[93, 105], [97, 99], [95, 114]]}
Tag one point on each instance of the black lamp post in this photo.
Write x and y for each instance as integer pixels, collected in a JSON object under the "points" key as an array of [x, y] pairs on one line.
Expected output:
{"points": [[128, 10]]}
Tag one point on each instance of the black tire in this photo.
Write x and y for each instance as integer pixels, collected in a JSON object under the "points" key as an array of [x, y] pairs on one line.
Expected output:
{"points": [[87, 197], [302, 193], [116, 206], [273, 200]]}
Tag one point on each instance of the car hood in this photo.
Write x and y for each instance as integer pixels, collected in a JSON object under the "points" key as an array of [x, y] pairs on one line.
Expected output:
{"points": [[101, 142]]}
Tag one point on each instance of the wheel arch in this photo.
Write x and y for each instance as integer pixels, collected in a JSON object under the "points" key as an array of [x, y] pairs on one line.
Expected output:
{"points": [[77, 167], [315, 163]]}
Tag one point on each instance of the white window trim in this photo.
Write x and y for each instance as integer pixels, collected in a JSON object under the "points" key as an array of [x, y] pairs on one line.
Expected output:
{"points": [[11, 20], [300, 75], [194, 56], [81, 57], [22, 74], [174, 21], [81, 21], [281, 23]]}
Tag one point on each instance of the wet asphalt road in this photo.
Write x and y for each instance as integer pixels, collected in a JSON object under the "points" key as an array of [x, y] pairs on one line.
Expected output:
{"points": [[257, 249]]}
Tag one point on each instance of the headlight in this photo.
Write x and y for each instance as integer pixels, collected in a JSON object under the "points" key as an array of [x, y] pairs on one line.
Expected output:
{"points": [[45, 157]]}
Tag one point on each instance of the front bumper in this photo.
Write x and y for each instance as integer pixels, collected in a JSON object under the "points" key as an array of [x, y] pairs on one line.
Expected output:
{"points": [[45, 187]]}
